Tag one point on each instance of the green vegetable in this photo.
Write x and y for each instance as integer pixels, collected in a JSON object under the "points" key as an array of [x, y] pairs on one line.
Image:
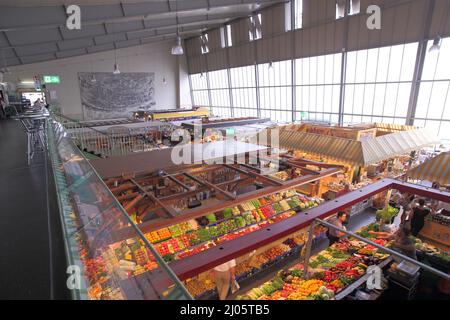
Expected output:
{"points": [[211, 218], [168, 257], [227, 213], [296, 272], [386, 215]]}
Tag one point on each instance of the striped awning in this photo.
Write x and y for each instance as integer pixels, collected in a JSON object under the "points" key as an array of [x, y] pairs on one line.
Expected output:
{"points": [[436, 169], [360, 153]]}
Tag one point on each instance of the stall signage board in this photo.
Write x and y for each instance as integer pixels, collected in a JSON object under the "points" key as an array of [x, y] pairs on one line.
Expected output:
{"points": [[51, 79]]}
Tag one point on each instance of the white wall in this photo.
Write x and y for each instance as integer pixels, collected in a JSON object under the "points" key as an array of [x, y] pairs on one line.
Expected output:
{"points": [[152, 57]]}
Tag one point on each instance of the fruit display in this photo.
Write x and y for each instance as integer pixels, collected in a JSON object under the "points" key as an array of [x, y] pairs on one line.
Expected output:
{"points": [[198, 287], [333, 269], [230, 223], [436, 256]]}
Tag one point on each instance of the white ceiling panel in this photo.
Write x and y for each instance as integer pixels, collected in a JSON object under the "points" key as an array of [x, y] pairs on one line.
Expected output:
{"points": [[70, 53], [124, 26], [3, 41], [141, 8], [192, 19], [214, 3], [166, 31], [110, 38], [103, 47], [7, 53], [38, 58], [75, 44], [152, 23], [140, 34], [12, 61], [86, 31], [101, 12], [30, 36], [19, 16], [191, 4], [36, 31], [128, 43], [36, 49]]}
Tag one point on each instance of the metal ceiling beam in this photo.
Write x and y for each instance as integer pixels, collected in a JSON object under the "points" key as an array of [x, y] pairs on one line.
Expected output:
{"points": [[145, 16], [190, 24]]}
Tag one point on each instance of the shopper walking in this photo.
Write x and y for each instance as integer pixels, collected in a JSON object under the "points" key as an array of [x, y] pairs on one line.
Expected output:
{"points": [[225, 278]]}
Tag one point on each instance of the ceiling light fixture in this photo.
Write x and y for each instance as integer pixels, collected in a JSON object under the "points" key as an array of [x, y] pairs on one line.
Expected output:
{"points": [[177, 48], [436, 44], [116, 65]]}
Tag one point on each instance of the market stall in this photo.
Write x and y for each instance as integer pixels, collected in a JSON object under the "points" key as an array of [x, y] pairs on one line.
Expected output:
{"points": [[365, 160], [434, 170], [291, 234], [171, 114]]}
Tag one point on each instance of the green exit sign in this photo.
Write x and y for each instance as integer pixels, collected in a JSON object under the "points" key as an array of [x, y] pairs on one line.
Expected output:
{"points": [[51, 79]]}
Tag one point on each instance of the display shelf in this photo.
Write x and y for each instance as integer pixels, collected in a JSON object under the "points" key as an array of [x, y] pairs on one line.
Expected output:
{"points": [[355, 285], [270, 266], [260, 224]]}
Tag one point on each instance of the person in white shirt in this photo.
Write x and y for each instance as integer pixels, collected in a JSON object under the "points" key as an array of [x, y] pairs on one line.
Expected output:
{"points": [[38, 104], [224, 276]]}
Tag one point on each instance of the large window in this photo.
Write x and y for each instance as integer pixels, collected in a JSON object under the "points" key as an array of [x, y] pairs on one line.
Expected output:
{"points": [[378, 84], [317, 82], [275, 90], [376, 87], [220, 94], [243, 88], [298, 14], [433, 104], [254, 30], [204, 43], [200, 89]]}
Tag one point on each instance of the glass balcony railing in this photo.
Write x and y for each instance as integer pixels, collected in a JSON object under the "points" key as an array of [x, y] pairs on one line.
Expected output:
{"points": [[101, 267]]}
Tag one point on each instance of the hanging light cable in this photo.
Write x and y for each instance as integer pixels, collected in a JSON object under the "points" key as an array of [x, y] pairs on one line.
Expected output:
{"points": [[93, 79], [437, 41], [116, 65], [177, 48], [5, 69], [436, 44]]}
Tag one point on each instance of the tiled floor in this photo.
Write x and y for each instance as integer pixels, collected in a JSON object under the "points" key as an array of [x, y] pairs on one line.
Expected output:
{"points": [[31, 265]]}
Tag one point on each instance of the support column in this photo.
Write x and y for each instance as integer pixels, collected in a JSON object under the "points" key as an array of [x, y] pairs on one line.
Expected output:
{"points": [[418, 68]]}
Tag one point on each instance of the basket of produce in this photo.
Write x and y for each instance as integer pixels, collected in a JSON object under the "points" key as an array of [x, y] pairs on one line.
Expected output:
{"points": [[387, 215]]}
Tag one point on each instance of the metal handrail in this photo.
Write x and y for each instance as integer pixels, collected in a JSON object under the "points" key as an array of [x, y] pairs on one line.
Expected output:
{"points": [[108, 144]]}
